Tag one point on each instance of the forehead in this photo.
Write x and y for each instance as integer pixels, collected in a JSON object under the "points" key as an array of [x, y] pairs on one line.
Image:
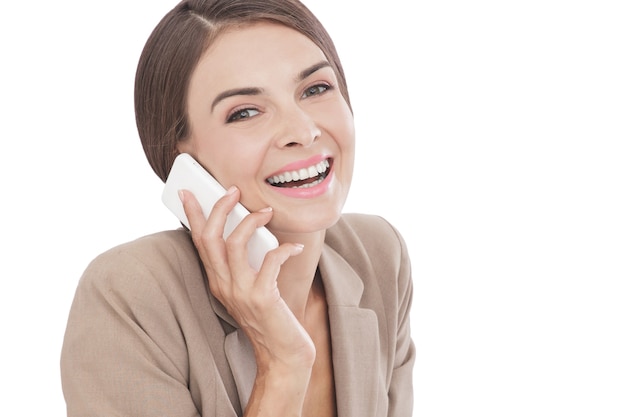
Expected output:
{"points": [[255, 50]]}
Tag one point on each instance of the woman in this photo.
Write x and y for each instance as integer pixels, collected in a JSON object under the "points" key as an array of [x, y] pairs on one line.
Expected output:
{"points": [[177, 323]]}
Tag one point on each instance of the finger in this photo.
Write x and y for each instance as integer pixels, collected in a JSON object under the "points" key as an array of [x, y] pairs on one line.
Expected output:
{"points": [[274, 259], [207, 232], [216, 219], [193, 211], [238, 241], [213, 232]]}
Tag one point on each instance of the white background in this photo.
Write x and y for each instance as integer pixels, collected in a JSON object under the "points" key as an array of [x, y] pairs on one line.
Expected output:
{"points": [[491, 133]]}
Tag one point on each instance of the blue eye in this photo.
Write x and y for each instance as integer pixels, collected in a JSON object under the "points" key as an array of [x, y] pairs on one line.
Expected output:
{"points": [[242, 115], [316, 90]]}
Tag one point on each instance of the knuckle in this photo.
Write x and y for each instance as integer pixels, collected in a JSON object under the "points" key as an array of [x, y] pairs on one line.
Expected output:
{"points": [[233, 243], [205, 238]]}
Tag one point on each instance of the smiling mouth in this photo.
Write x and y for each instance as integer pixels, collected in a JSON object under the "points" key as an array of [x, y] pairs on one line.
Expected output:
{"points": [[302, 178]]}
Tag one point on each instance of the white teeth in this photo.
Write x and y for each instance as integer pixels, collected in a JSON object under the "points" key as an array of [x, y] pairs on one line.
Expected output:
{"points": [[311, 184], [301, 174]]}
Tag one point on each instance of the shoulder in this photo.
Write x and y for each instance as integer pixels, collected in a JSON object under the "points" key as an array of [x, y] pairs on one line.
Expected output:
{"points": [[159, 260], [375, 250], [136, 314], [147, 282], [160, 247], [366, 235]]}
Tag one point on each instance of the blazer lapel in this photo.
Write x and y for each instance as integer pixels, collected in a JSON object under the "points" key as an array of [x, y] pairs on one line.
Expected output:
{"points": [[239, 353], [354, 338]]}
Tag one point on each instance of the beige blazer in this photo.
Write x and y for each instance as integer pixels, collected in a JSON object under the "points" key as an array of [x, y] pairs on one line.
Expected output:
{"points": [[146, 338]]}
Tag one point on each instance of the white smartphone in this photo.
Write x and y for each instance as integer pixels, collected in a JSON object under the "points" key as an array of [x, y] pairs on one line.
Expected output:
{"points": [[188, 174]]}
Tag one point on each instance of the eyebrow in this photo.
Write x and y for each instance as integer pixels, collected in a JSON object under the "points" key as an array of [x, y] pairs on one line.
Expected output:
{"points": [[312, 69], [247, 91], [254, 91]]}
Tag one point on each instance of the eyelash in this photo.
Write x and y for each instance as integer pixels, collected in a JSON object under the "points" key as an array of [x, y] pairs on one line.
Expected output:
{"points": [[236, 115], [326, 87]]}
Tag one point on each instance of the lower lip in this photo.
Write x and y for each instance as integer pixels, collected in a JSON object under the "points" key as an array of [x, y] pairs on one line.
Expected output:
{"points": [[310, 192]]}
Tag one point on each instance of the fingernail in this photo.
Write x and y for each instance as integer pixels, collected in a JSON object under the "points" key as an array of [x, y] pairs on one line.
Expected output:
{"points": [[231, 190], [266, 210], [181, 195], [299, 247]]}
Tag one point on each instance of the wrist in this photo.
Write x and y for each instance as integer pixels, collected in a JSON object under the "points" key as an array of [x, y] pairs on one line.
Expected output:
{"points": [[279, 390]]}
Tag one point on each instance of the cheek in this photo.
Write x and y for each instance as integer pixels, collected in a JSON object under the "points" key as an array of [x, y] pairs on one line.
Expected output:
{"points": [[342, 125], [232, 156], [236, 161], [346, 141]]}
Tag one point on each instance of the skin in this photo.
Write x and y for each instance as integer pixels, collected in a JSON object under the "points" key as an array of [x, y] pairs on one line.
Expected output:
{"points": [[294, 113]]}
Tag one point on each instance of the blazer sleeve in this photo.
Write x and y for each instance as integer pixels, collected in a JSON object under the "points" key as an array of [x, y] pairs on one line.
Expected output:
{"points": [[124, 353], [401, 386]]}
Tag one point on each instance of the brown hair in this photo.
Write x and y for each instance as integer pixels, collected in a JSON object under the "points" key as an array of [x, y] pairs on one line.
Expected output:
{"points": [[174, 49]]}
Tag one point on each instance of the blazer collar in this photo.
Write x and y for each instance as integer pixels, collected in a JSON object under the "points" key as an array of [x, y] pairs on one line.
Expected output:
{"points": [[354, 335], [355, 342]]}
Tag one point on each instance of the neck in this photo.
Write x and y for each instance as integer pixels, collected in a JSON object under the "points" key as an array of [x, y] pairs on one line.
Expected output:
{"points": [[297, 274]]}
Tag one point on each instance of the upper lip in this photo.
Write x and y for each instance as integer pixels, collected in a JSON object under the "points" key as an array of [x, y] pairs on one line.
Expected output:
{"points": [[301, 170]]}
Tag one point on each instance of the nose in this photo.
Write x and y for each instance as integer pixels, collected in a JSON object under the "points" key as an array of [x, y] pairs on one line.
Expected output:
{"points": [[297, 128]]}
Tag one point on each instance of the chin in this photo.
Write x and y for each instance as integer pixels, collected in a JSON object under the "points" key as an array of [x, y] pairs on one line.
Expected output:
{"points": [[304, 221]]}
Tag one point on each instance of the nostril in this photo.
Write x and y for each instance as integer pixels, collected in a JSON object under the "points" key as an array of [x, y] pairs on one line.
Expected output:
{"points": [[291, 144]]}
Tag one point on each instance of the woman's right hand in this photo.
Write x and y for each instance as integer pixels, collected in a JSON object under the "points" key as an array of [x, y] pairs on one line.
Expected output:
{"points": [[281, 344]]}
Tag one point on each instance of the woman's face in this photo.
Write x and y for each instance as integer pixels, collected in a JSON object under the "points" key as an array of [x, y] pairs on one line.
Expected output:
{"points": [[266, 115]]}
